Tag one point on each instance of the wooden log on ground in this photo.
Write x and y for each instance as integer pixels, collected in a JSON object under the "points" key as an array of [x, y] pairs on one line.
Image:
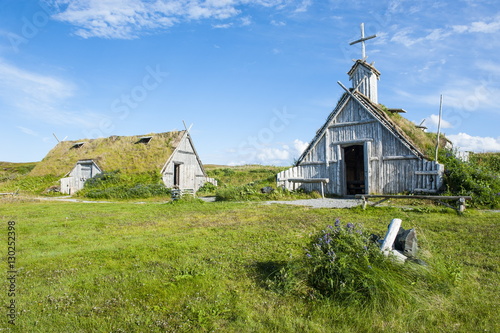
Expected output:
{"points": [[461, 199], [389, 239]]}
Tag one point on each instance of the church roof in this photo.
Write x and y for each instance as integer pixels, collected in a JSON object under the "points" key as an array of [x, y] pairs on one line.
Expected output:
{"points": [[130, 154], [415, 139], [360, 62]]}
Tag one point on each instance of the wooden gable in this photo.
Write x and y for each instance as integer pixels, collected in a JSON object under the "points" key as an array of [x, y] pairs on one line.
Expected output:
{"points": [[362, 148], [184, 169], [356, 120]]}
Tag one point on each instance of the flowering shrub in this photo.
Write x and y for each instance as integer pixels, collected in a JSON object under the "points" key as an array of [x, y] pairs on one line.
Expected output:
{"points": [[343, 262]]}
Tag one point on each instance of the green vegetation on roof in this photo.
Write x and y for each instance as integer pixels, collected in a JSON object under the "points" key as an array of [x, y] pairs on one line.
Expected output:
{"points": [[124, 153], [425, 142]]}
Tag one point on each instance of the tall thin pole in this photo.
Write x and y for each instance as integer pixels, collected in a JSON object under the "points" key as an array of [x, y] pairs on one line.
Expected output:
{"points": [[363, 50], [439, 124]]}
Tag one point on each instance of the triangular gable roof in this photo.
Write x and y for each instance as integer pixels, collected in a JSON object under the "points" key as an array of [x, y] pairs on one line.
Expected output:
{"points": [[365, 64], [190, 140], [124, 153], [375, 110]]}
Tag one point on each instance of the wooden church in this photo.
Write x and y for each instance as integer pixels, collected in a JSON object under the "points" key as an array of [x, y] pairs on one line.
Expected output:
{"points": [[171, 154], [365, 148]]}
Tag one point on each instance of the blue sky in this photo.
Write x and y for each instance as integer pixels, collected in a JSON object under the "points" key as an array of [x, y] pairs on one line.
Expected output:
{"points": [[256, 79]]}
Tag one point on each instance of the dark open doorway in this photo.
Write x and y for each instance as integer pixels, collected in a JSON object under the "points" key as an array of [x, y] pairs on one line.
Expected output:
{"points": [[177, 174], [354, 170]]}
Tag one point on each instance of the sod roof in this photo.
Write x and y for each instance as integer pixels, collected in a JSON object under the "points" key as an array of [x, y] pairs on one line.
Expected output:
{"points": [[423, 144], [129, 154]]}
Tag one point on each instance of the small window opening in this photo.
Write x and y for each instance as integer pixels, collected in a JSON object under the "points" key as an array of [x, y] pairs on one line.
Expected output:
{"points": [[392, 110], [77, 145], [144, 140]]}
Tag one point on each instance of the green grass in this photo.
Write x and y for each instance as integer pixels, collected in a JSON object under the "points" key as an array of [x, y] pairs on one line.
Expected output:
{"points": [[8, 168], [200, 267], [244, 183], [244, 174]]}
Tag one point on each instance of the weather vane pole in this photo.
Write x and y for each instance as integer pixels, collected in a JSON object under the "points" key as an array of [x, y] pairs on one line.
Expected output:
{"points": [[362, 41]]}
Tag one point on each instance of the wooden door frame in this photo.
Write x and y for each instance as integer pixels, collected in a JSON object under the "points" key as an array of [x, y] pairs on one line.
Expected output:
{"points": [[366, 146]]}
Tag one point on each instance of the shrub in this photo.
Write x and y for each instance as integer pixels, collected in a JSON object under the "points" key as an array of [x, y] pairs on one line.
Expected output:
{"points": [[342, 262], [490, 161], [474, 179], [114, 185], [237, 193], [207, 188], [104, 179]]}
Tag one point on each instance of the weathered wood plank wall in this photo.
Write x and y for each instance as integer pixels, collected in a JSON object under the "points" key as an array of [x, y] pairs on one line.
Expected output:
{"points": [[390, 166]]}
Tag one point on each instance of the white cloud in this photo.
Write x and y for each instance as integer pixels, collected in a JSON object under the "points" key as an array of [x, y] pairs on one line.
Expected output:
{"points": [[245, 21], [299, 146], [303, 6], [127, 19], [277, 154], [466, 142], [480, 26], [39, 96], [470, 95], [278, 23], [404, 36], [27, 131], [36, 86], [489, 67], [268, 155], [463, 95], [432, 121], [222, 26]]}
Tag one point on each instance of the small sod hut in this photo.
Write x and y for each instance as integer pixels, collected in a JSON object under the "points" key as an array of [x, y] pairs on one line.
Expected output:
{"points": [[365, 148], [172, 154]]}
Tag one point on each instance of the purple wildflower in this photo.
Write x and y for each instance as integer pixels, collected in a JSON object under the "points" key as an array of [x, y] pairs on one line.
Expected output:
{"points": [[337, 222], [332, 255], [350, 225]]}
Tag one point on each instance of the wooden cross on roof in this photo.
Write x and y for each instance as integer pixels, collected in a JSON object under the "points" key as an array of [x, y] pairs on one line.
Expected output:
{"points": [[362, 41]]}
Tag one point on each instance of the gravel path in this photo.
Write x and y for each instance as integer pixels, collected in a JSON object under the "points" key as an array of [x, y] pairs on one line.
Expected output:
{"points": [[321, 203]]}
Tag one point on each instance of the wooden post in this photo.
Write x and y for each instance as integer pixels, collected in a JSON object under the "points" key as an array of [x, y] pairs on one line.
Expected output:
{"points": [[389, 239], [461, 205]]}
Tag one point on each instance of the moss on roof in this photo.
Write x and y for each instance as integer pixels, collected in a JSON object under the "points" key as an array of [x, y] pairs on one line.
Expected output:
{"points": [[425, 142], [122, 153]]}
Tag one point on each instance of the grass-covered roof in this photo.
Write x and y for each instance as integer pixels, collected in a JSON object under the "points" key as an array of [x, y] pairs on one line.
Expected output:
{"points": [[128, 154], [425, 142]]}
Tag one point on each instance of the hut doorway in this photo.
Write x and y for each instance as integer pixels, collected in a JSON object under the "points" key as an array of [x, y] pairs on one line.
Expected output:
{"points": [[86, 170], [354, 169], [177, 174]]}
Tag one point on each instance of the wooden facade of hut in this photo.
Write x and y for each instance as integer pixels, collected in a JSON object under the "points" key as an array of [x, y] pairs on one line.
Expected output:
{"points": [[171, 154], [364, 148]]}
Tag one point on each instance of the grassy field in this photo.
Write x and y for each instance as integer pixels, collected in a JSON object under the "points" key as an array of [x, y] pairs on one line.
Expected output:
{"points": [[202, 267]]}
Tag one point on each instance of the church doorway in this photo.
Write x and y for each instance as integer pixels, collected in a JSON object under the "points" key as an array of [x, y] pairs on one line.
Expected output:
{"points": [[354, 170]]}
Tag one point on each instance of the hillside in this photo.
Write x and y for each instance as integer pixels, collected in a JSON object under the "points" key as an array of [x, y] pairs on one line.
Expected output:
{"points": [[11, 171]]}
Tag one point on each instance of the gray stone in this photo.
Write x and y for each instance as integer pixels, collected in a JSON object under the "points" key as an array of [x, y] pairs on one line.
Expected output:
{"points": [[406, 242]]}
